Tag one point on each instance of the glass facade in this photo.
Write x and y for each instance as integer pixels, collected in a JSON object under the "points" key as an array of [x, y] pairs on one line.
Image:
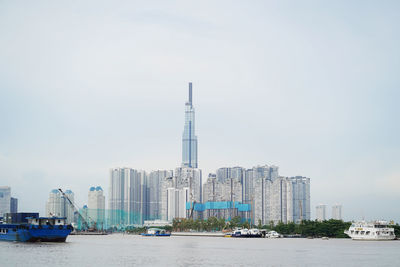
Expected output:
{"points": [[189, 139]]}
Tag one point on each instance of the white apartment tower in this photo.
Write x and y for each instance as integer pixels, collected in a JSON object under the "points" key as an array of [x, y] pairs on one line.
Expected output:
{"points": [[337, 212], [320, 214], [96, 206], [176, 202]]}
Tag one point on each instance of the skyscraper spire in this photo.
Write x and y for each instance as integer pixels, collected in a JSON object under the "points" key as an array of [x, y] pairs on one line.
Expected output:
{"points": [[190, 93], [189, 139]]}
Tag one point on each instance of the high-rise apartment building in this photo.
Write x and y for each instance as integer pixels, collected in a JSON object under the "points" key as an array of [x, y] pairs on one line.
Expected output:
{"points": [[283, 199], [223, 174], [301, 198], [5, 200], [155, 183], [96, 206], [248, 184], [237, 173], [320, 212], [192, 179], [176, 202], [252, 176], [228, 172], [337, 212], [58, 205], [128, 197], [14, 205], [215, 191], [116, 196], [189, 138], [187, 179]]}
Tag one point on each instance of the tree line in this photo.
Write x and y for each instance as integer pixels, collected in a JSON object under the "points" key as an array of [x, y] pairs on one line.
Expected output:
{"points": [[329, 228]]}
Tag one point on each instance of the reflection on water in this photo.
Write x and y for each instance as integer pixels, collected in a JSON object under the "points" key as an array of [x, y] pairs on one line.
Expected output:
{"points": [[118, 249]]}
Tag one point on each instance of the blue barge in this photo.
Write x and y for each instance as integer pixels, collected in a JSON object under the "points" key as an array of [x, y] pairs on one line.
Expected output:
{"points": [[29, 227]]}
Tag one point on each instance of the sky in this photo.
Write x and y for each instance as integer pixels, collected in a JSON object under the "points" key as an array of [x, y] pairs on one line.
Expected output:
{"points": [[309, 86]]}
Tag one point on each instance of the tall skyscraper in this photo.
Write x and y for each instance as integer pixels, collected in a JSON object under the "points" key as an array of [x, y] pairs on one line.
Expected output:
{"points": [[320, 212], [337, 212], [189, 139]]}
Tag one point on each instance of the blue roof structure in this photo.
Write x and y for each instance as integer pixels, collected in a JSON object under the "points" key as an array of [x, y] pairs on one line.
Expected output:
{"points": [[219, 206], [97, 188]]}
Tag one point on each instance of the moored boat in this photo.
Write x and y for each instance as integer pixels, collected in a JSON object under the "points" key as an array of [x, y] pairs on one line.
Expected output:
{"points": [[156, 232], [377, 230], [246, 233], [273, 234], [29, 227]]}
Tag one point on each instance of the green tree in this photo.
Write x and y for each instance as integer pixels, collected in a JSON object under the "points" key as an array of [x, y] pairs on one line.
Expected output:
{"points": [[221, 224], [235, 221], [259, 226], [213, 223]]}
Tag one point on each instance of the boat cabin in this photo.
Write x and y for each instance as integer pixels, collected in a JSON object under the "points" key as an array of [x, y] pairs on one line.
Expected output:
{"points": [[47, 221], [155, 231]]}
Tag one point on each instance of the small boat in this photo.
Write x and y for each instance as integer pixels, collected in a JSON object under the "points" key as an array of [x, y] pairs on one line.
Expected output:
{"points": [[273, 234], [29, 227], [246, 233], [377, 230], [156, 232]]}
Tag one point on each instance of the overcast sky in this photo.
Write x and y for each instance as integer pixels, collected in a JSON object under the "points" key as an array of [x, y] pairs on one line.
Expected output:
{"points": [[310, 86]]}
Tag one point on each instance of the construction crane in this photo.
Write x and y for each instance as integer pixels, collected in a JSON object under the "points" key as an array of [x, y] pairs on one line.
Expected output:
{"points": [[75, 207], [193, 202], [191, 210]]}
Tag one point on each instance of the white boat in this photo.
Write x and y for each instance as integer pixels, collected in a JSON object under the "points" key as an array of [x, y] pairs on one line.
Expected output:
{"points": [[238, 232], [377, 230], [255, 231], [273, 234]]}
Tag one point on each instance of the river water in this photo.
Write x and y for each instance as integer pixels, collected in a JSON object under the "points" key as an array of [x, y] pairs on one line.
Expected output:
{"points": [[132, 250]]}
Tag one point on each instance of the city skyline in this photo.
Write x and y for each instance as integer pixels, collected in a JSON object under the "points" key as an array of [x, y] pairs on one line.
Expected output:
{"points": [[78, 100]]}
